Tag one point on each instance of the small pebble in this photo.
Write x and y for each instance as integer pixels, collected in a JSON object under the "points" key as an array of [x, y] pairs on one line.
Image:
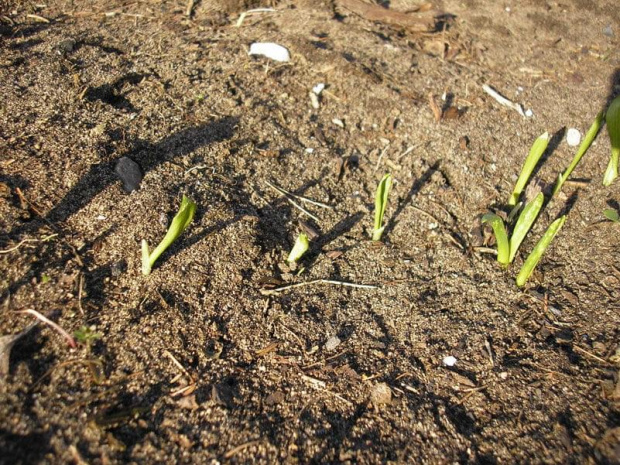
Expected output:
{"points": [[129, 173], [573, 137], [381, 394], [332, 343], [449, 361]]}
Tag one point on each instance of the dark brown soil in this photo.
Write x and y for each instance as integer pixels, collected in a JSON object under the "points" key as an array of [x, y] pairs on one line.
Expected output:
{"points": [[198, 362]]}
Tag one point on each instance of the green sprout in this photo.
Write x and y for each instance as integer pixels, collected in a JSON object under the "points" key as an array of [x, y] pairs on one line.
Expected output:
{"points": [[611, 215], [538, 148], [612, 118], [583, 148], [179, 223], [86, 335], [499, 229], [381, 199], [507, 249], [299, 249], [536, 254]]}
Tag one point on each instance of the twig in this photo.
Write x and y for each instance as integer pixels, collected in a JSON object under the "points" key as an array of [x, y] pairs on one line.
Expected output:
{"points": [[317, 281], [296, 205], [53, 325], [485, 250], [190, 8], [252, 12], [504, 101], [80, 290], [383, 152], [303, 199], [45, 239], [39, 19], [235, 450], [590, 354]]}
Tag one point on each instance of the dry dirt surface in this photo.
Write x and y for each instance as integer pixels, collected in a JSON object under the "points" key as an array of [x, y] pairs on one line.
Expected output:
{"points": [[213, 358]]}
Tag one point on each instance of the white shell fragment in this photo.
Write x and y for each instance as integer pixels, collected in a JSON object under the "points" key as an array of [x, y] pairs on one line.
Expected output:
{"points": [[573, 137], [270, 50], [449, 361], [318, 88]]}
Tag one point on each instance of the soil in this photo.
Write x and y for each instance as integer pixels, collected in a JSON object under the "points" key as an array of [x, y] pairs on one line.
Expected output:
{"points": [[212, 358]]}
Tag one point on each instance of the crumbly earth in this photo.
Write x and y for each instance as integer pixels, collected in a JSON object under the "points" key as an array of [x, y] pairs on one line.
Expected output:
{"points": [[203, 361]]}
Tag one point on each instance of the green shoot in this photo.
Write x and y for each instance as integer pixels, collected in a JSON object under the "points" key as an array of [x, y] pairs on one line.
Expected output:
{"points": [[583, 148], [503, 246], [299, 249], [612, 118], [86, 335], [612, 215], [381, 199], [534, 257], [524, 224], [538, 148], [179, 223]]}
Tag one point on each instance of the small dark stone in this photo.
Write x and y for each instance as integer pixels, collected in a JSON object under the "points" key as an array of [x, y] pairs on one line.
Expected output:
{"points": [[129, 172], [66, 46]]}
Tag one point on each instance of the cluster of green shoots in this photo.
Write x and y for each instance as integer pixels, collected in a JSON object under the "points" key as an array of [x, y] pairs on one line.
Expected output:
{"points": [[302, 243], [508, 245]]}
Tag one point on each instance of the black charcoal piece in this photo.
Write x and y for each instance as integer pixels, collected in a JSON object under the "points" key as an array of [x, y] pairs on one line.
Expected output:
{"points": [[129, 172]]}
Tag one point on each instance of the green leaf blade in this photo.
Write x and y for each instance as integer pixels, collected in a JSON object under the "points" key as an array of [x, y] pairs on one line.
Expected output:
{"points": [[180, 222], [537, 150], [612, 118], [524, 224], [583, 148], [611, 215], [299, 249], [499, 229], [381, 200], [540, 248]]}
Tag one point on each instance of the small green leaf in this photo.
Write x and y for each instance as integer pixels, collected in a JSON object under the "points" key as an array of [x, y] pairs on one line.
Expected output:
{"points": [[179, 223], [583, 148], [612, 118], [299, 249], [503, 246], [86, 335], [611, 215], [534, 257], [524, 224], [381, 199], [538, 148]]}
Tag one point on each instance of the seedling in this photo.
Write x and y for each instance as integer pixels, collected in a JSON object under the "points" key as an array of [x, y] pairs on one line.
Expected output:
{"points": [[538, 148], [381, 199], [612, 215], [507, 249], [86, 335], [536, 254], [612, 118], [583, 148], [299, 249], [179, 223]]}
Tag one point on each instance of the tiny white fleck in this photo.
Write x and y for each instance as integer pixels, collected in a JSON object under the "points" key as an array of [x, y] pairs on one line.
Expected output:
{"points": [[529, 113], [309, 150], [318, 88], [449, 361], [101, 217]]}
